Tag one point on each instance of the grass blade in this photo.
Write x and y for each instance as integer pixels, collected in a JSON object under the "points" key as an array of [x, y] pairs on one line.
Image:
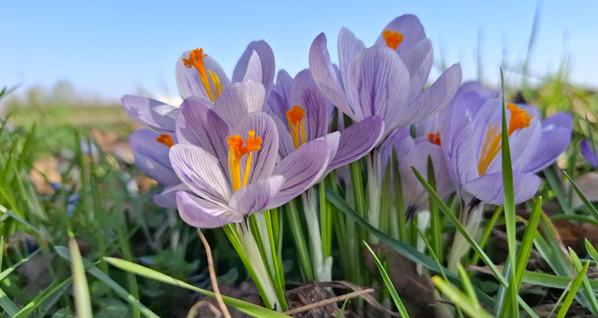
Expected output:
{"points": [[97, 273], [573, 291], [245, 307], [80, 286], [459, 298], [388, 283]]}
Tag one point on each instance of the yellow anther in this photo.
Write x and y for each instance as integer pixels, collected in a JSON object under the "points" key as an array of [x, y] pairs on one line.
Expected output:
{"points": [[196, 60], [296, 117], [236, 152], [392, 38]]}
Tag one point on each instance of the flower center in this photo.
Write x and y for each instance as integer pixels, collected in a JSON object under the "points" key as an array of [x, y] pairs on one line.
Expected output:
{"points": [[236, 151], [392, 38], [434, 137], [196, 60], [165, 139], [295, 117], [493, 141]]}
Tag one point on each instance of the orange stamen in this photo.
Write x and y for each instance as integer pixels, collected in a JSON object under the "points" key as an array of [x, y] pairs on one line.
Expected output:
{"points": [[493, 140], [295, 117], [392, 38], [165, 139], [237, 151], [196, 60], [434, 138]]}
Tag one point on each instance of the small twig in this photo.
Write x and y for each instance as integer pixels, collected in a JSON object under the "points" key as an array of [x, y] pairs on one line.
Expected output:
{"points": [[193, 311], [223, 307], [329, 301]]}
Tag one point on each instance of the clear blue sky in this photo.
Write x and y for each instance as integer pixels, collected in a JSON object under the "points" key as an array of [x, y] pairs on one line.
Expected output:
{"points": [[112, 47]]}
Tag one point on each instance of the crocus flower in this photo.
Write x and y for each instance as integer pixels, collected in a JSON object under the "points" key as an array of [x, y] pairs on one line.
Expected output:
{"points": [[471, 138], [150, 146], [588, 152], [305, 116], [414, 152], [473, 147], [228, 158], [199, 75], [384, 80]]}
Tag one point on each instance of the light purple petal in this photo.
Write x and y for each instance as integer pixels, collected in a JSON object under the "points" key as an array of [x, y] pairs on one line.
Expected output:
{"points": [[204, 214], [460, 154], [414, 193], [200, 126], [394, 140], [428, 125], [489, 188], [357, 140], [465, 104], [314, 104], [286, 145], [411, 29], [266, 57], [558, 120], [167, 198], [325, 75], [188, 81], [301, 169], [152, 157], [239, 100], [378, 84], [419, 63], [333, 140], [302, 80], [432, 99], [201, 172], [140, 110], [348, 47], [255, 196], [254, 69], [553, 143], [281, 94], [263, 160], [587, 151]]}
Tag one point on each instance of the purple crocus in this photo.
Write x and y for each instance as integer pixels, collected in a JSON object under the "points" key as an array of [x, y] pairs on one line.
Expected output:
{"points": [[384, 80], [470, 132], [414, 152], [199, 75], [231, 165], [302, 114], [471, 140], [150, 147], [587, 151]]}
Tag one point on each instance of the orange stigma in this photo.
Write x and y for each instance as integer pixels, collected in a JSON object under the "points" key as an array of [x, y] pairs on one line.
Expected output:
{"points": [[493, 140], [434, 137], [519, 118], [196, 60], [392, 38], [165, 139], [236, 151], [295, 117]]}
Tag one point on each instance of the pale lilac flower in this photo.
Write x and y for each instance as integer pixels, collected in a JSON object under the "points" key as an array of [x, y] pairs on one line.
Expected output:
{"points": [[303, 114], [228, 157], [384, 80], [199, 75], [414, 152], [471, 140]]}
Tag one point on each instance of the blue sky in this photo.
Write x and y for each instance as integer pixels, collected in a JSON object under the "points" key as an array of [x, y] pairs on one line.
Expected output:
{"points": [[114, 47]]}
